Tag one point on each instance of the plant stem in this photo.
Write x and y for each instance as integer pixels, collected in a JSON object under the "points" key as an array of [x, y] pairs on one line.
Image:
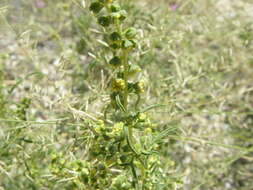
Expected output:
{"points": [[125, 95], [125, 104]]}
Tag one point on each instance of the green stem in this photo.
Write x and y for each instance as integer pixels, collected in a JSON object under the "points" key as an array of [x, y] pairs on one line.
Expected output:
{"points": [[125, 94], [125, 104]]}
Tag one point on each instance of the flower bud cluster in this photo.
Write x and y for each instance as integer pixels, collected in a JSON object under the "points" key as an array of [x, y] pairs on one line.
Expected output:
{"points": [[77, 169], [121, 41]]}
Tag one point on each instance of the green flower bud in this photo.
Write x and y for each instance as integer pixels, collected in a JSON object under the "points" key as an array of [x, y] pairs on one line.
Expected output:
{"points": [[115, 61], [115, 46], [139, 87], [134, 69], [118, 85], [115, 36], [116, 130], [104, 21], [128, 44], [120, 74], [142, 117], [100, 127], [96, 7], [123, 15], [62, 161], [126, 148], [101, 166], [113, 149], [115, 15], [148, 131], [115, 8], [120, 182], [123, 158], [130, 33]]}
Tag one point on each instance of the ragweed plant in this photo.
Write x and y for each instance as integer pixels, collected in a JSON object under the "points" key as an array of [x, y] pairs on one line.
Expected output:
{"points": [[122, 146], [123, 152]]}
